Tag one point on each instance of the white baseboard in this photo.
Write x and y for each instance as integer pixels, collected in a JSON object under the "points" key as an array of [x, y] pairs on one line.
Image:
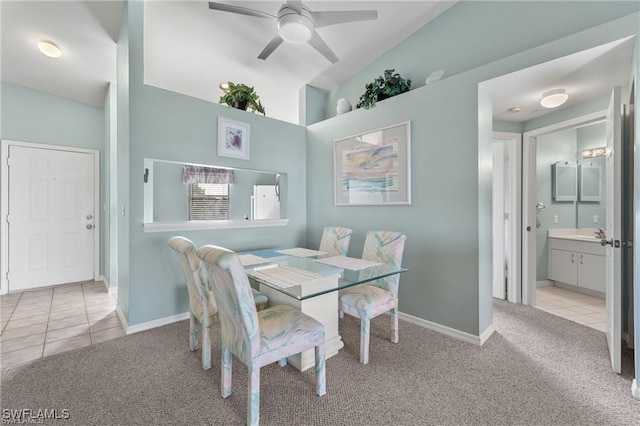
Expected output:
{"points": [[448, 331], [110, 290], [635, 390], [544, 283], [155, 323]]}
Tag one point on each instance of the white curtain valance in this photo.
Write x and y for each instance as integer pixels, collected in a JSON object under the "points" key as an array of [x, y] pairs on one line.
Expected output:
{"points": [[202, 174]]}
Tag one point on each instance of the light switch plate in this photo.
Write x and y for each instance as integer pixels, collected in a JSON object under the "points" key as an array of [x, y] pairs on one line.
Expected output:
{"points": [[595, 218], [555, 218]]}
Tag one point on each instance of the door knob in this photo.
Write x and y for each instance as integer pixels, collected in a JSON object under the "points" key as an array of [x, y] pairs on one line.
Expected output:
{"points": [[89, 226], [604, 242]]}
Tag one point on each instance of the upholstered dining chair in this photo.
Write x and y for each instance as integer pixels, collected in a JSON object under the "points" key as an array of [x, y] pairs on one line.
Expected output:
{"points": [[367, 301], [257, 338], [335, 240], [202, 304]]}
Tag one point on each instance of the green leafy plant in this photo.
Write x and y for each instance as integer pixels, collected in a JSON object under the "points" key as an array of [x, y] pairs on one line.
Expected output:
{"points": [[242, 97], [383, 87]]}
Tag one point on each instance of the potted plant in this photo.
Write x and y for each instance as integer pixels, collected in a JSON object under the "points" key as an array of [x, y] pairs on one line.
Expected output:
{"points": [[383, 87], [242, 97]]}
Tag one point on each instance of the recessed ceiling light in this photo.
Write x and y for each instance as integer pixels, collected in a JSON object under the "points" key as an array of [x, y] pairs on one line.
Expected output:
{"points": [[554, 98], [50, 49], [514, 109]]}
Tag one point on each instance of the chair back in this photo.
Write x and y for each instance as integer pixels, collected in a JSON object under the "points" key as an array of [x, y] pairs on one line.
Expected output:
{"points": [[335, 240], [385, 247], [239, 327], [194, 275]]}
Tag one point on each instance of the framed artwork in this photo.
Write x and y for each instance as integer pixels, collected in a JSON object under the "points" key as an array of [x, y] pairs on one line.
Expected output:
{"points": [[233, 138], [373, 168]]}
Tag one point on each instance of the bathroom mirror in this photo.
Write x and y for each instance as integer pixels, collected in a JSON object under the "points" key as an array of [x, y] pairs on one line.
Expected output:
{"points": [[211, 196]]}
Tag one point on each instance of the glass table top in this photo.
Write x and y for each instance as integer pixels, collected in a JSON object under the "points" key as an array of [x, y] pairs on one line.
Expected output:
{"points": [[316, 278]]}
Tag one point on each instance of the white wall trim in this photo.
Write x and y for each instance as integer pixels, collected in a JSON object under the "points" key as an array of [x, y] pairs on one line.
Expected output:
{"points": [[635, 390], [156, 323], [211, 224], [110, 290], [4, 201], [448, 331]]}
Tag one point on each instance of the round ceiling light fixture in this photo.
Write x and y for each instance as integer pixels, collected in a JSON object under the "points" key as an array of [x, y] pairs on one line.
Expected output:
{"points": [[295, 27], [515, 109], [554, 98], [50, 49]]}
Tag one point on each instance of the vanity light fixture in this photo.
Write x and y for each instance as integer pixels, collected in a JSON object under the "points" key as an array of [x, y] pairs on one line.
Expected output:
{"points": [[50, 49], [594, 152], [554, 98]]}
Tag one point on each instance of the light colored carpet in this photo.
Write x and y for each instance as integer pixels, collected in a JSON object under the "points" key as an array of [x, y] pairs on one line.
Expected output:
{"points": [[537, 369]]}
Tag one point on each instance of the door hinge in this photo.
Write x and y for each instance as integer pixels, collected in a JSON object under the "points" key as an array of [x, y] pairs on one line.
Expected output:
{"points": [[616, 243], [8, 216]]}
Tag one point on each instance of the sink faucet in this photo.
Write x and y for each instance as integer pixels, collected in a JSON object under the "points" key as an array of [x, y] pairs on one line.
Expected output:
{"points": [[600, 233]]}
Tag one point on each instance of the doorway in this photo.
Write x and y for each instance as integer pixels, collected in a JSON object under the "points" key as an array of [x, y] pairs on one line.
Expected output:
{"points": [[50, 199]]}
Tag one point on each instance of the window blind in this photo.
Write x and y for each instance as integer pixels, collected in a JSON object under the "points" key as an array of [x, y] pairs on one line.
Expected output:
{"points": [[208, 201]]}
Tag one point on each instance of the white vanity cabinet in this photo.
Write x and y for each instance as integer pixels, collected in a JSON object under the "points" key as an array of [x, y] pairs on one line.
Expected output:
{"points": [[578, 262]]}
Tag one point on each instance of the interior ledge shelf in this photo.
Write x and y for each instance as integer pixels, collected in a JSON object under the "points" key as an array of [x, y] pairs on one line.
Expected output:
{"points": [[212, 224]]}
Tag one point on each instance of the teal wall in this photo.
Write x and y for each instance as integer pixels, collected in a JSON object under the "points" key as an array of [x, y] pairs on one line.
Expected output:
{"points": [[448, 224], [167, 125], [32, 116]]}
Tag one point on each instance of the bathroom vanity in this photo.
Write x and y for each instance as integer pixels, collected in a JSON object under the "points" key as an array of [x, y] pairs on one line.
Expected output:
{"points": [[577, 258]]}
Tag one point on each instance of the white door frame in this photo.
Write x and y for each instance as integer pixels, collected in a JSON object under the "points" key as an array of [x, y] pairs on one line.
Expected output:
{"points": [[513, 148], [4, 208], [529, 195]]}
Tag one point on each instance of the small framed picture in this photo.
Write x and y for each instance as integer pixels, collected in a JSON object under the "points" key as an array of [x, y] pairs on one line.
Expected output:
{"points": [[233, 138]]}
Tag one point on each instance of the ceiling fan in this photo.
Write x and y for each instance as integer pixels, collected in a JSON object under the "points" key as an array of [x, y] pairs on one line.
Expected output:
{"points": [[297, 24]]}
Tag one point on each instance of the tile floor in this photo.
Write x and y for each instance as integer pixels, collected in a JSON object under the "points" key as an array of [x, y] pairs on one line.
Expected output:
{"points": [[41, 322], [573, 306]]}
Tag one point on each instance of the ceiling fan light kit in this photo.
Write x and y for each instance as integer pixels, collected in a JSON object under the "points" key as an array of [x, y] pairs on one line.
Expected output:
{"points": [[295, 27], [554, 98]]}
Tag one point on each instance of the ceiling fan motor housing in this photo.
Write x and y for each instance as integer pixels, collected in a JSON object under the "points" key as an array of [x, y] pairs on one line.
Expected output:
{"points": [[295, 27]]}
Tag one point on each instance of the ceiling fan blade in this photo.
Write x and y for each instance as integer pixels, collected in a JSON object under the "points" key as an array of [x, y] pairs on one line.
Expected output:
{"points": [[323, 19], [295, 5], [241, 10], [319, 44], [275, 42]]}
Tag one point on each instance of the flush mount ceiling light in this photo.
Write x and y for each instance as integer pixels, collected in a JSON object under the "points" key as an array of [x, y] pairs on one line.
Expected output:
{"points": [[554, 98], [515, 109], [50, 49], [295, 27]]}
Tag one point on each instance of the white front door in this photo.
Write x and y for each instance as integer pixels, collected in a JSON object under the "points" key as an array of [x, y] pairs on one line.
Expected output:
{"points": [[51, 219], [613, 229]]}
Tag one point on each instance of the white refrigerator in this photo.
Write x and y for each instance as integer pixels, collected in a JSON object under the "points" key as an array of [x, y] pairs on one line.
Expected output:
{"points": [[265, 202]]}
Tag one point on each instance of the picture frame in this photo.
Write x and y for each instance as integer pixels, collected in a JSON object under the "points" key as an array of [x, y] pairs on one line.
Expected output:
{"points": [[373, 168], [233, 138]]}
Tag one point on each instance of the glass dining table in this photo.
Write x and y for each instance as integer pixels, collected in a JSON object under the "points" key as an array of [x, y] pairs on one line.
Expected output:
{"points": [[309, 280]]}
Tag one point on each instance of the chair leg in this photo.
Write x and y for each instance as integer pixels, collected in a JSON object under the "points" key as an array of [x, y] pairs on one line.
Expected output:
{"points": [[225, 372], [206, 347], [364, 340], [253, 409], [321, 374], [394, 325], [194, 332]]}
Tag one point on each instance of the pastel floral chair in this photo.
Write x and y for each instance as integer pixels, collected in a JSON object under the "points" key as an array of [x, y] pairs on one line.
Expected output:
{"points": [[367, 301], [257, 338], [335, 240], [202, 304]]}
